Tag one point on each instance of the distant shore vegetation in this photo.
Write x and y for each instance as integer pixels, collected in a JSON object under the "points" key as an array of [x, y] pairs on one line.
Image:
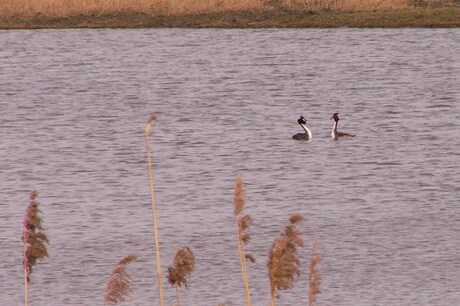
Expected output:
{"points": [[228, 13]]}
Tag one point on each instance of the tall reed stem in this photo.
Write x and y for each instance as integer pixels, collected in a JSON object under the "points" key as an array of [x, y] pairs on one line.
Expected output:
{"points": [[26, 281], [177, 294], [242, 223], [273, 298], [154, 211], [243, 266]]}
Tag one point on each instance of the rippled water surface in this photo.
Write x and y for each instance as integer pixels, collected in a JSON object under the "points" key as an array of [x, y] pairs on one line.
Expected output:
{"points": [[384, 205]]}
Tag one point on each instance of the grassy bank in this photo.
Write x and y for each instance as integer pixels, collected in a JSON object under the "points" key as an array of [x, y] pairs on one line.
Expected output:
{"points": [[26, 14]]}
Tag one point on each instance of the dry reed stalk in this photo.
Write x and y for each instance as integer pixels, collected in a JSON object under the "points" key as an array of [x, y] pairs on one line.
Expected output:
{"points": [[315, 277], [34, 239], [242, 223], [283, 261], [148, 127], [183, 266], [119, 286]]}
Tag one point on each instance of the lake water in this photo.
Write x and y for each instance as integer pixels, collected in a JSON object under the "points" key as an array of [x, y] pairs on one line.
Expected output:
{"points": [[384, 205]]}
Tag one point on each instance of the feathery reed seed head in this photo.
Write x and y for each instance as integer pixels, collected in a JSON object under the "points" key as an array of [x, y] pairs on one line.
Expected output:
{"points": [[152, 118], [238, 203], [33, 194], [34, 238], [150, 121], [315, 277], [183, 266], [283, 262], [119, 286], [296, 218], [250, 258], [244, 222]]}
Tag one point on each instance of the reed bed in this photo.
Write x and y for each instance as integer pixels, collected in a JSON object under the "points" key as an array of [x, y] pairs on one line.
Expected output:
{"points": [[71, 8]]}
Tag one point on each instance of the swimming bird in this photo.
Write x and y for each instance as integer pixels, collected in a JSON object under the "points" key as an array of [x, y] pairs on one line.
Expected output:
{"points": [[302, 136], [336, 134]]}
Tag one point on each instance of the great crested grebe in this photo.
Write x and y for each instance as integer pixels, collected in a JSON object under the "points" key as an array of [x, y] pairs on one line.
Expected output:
{"points": [[303, 136], [336, 134]]}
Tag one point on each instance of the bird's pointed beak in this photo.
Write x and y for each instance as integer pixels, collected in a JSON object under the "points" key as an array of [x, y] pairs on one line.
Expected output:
{"points": [[331, 118]]}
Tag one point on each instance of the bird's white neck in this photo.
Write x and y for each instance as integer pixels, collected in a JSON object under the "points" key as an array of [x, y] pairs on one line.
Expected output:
{"points": [[307, 130], [335, 126], [334, 131]]}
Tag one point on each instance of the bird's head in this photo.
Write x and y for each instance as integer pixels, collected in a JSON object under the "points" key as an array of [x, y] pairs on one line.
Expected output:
{"points": [[335, 116]]}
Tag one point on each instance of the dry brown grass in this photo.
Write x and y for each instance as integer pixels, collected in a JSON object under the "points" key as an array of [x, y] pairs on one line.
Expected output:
{"points": [[183, 266], [283, 260], [314, 276], [67, 8], [359, 5], [35, 240], [119, 286]]}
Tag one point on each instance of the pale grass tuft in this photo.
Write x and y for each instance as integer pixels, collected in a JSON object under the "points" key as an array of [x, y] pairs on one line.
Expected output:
{"points": [[283, 261], [315, 277], [119, 286]]}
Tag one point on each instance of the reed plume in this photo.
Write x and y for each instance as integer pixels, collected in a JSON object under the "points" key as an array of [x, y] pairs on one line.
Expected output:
{"points": [[119, 286], [35, 241], [283, 261], [243, 222], [315, 277], [148, 127], [183, 266]]}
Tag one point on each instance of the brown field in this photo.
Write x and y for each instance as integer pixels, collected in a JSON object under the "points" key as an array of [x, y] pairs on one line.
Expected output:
{"points": [[68, 8], [228, 13]]}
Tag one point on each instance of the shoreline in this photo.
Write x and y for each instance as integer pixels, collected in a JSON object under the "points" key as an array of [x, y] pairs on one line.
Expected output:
{"points": [[427, 17]]}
